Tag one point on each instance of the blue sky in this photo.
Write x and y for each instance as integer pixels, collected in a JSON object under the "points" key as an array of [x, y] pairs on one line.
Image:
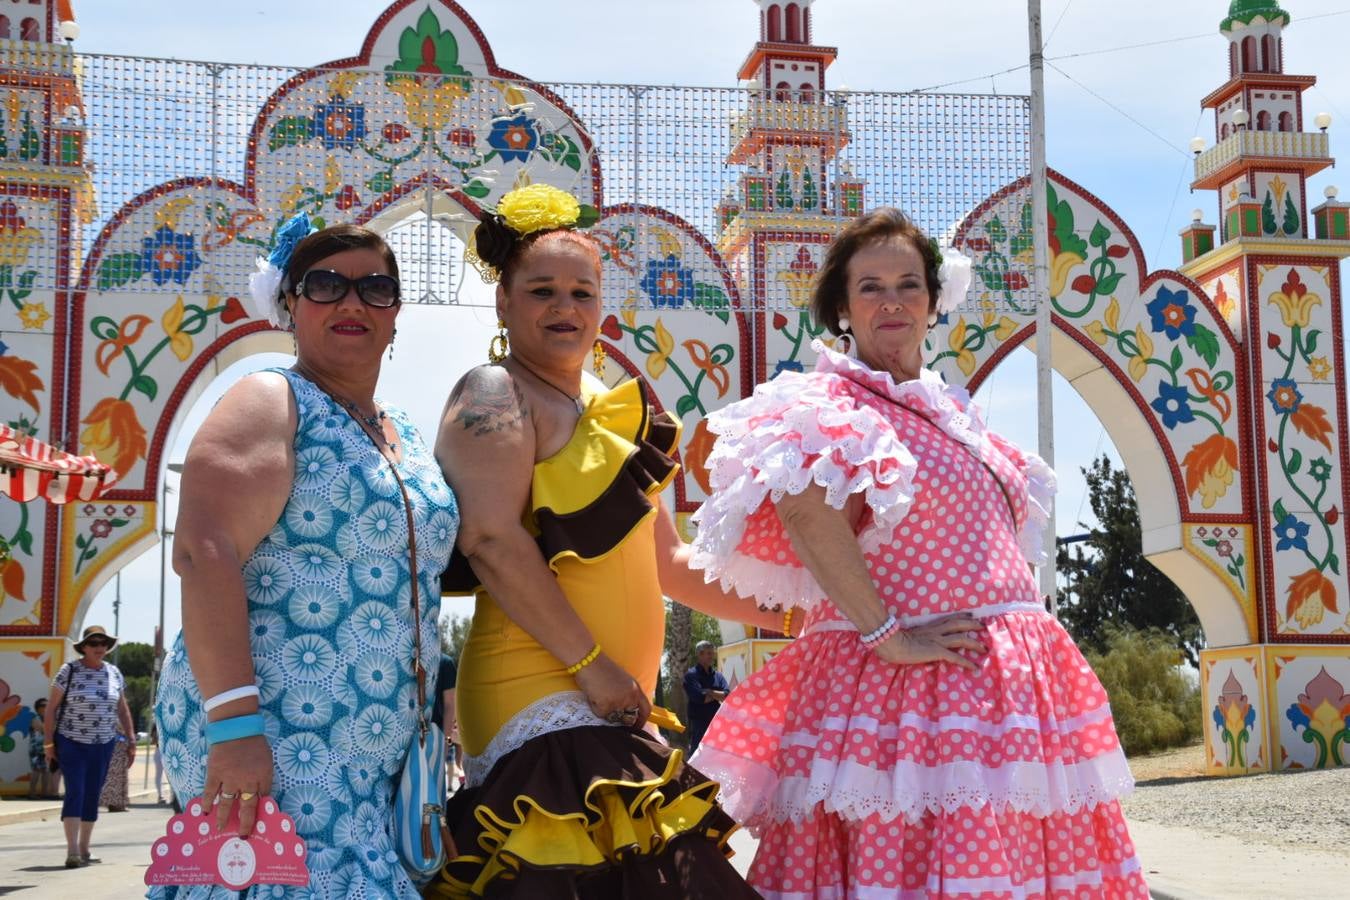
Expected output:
{"points": [[1117, 122]]}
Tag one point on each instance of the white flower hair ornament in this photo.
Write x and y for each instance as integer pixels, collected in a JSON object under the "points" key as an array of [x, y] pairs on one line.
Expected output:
{"points": [[264, 285], [954, 277]]}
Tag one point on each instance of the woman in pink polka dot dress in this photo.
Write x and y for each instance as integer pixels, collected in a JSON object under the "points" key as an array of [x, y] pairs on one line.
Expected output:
{"points": [[933, 732]]}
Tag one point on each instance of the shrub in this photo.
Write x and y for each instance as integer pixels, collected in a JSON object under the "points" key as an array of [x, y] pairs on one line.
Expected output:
{"points": [[1154, 703]]}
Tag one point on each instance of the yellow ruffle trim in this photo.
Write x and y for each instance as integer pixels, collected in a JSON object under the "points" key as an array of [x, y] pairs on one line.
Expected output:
{"points": [[613, 829]]}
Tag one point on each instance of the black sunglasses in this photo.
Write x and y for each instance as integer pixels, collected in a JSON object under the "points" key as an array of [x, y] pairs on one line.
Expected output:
{"points": [[97, 642], [326, 286]]}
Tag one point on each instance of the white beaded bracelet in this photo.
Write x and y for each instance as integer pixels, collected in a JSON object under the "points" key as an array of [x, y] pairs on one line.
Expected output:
{"points": [[239, 693], [884, 630]]}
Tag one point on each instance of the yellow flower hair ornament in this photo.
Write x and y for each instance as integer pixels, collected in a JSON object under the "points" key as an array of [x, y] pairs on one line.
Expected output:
{"points": [[520, 213]]}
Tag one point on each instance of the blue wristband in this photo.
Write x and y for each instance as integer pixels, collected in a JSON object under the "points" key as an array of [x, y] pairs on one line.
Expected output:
{"points": [[234, 729]]}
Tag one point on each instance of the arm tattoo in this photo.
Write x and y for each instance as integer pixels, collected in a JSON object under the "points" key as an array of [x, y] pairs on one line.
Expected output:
{"points": [[489, 405]]}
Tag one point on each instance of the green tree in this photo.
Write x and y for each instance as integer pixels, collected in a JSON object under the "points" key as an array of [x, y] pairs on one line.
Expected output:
{"points": [[138, 698], [1153, 702], [784, 193], [454, 632], [1109, 582], [135, 659]]}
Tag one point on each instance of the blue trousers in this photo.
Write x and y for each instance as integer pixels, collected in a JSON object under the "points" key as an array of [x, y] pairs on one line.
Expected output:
{"points": [[85, 767]]}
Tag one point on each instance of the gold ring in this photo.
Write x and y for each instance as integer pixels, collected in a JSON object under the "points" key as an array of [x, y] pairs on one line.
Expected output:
{"points": [[247, 795]]}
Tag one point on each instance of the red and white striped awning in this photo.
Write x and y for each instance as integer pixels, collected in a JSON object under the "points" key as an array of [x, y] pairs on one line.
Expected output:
{"points": [[29, 468]]}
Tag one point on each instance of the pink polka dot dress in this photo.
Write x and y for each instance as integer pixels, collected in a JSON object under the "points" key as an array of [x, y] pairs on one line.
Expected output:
{"points": [[869, 780]]}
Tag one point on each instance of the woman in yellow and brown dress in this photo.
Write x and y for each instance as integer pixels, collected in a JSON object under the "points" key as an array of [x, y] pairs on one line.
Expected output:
{"points": [[568, 549]]}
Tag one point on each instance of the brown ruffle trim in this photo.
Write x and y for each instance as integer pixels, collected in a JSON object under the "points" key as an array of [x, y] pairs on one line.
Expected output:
{"points": [[591, 813], [593, 531]]}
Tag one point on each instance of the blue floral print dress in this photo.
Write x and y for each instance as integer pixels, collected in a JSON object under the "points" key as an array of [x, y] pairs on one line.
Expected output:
{"points": [[330, 611]]}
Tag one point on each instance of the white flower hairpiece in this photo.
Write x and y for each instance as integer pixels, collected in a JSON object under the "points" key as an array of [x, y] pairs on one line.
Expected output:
{"points": [[264, 285], [264, 288], [954, 277]]}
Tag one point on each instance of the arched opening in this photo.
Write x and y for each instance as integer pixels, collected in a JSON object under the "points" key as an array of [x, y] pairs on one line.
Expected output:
{"points": [[782, 92], [806, 24], [807, 94], [1270, 60], [1286, 121], [29, 30], [794, 23], [774, 29], [1223, 131], [1249, 54], [1263, 120]]}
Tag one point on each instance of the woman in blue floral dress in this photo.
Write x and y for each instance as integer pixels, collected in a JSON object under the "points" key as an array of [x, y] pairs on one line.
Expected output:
{"points": [[293, 546]]}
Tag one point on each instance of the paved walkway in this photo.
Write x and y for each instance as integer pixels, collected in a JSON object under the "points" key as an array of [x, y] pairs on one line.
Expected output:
{"points": [[1181, 862], [21, 809]]}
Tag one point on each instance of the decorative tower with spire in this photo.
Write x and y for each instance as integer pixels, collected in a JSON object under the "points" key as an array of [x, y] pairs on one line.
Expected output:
{"points": [[790, 199], [1262, 157], [793, 195], [1279, 287]]}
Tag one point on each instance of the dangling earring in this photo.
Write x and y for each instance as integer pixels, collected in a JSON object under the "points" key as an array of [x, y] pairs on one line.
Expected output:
{"points": [[499, 347], [598, 359], [850, 346], [391, 343]]}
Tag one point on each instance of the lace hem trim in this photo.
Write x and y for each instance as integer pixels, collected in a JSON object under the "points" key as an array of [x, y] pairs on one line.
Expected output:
{"points": [[556, 712], [755, 795]]}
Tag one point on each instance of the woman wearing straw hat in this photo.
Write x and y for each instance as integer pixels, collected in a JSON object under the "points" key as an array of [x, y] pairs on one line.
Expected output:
{"points": [[87, 703]]}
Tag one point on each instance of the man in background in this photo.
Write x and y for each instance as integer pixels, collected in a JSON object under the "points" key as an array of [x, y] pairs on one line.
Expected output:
{"points": [[706, 689]]}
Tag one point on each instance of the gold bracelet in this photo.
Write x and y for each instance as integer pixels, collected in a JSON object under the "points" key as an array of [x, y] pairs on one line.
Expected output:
{"points": [[787, 621], [585, 661], [49, 744]]}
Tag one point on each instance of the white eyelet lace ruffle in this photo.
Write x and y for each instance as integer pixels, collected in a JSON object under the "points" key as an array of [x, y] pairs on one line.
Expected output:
{"points": [[792, 433], [556, 712], [787, 436], [753, 794]]}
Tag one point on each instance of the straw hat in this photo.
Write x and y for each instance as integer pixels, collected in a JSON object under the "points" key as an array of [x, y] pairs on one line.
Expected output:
{"points": [[91, 631]]}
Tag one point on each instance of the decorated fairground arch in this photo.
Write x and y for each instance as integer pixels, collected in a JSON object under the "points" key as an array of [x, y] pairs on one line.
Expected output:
{"points": [[1221, 384]]}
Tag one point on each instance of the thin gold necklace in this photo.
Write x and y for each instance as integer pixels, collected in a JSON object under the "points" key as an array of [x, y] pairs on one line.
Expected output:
{"points": [[576, 401]]}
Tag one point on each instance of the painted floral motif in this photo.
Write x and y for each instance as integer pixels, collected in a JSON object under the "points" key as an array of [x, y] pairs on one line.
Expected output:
{"points": [[428, 78], [668, 284], [1323, 714], [965, 339], [1234, 717], [17, 239], [1172, 314], [114, 434], [514, 138], [1221, 543], [1185, 394], [169, 256], [98, 532], [1068, 251], [339, 125], [1003, 257], [118, 340], [1311, 594], [19, 378]]}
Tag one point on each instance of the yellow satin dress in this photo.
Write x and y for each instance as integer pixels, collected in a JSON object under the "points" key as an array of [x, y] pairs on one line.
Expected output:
{"points": [[581, 803], [587, 512]]}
